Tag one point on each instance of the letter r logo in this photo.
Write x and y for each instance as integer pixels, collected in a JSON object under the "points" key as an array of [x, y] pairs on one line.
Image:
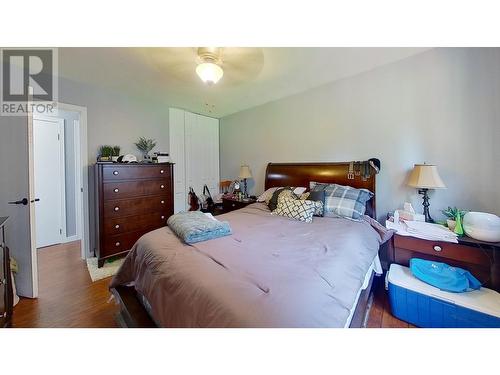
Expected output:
{"points": [[22, 68]]}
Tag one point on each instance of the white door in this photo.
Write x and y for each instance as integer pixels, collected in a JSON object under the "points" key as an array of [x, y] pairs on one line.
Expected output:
{"points": [[17, 198], [176, 150], [48, 152]]}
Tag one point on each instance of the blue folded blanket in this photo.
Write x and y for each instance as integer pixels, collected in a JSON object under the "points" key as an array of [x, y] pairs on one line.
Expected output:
{"points": [[195, 226]]}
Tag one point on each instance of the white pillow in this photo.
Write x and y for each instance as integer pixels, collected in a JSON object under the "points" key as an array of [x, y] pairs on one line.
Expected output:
{"points": [[299, 190], [268, 194]]}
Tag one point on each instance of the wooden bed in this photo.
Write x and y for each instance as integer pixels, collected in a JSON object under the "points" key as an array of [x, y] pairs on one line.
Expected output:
{"points": [[133, 315]]}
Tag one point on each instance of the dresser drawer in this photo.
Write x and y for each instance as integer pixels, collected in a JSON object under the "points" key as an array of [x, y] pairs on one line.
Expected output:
{"points": [[117, 244], [136, 206], [118, 189], [116, 172], [121, 225], [447, 250]]}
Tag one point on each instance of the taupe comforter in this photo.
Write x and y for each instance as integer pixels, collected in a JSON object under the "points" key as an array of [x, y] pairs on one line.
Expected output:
{"points": [[271, 272]]}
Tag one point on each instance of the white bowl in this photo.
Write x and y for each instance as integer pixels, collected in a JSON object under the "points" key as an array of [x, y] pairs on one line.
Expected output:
{"points": [[482, 226]]}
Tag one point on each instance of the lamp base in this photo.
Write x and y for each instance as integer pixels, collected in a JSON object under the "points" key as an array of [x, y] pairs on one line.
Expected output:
{"points": [[425, 204], [245, 184]]}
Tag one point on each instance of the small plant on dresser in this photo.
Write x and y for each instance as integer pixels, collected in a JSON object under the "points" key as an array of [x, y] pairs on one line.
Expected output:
{"points": [[451, 214]]}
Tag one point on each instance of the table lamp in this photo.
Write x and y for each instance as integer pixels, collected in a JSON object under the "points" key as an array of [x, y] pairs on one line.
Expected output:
{"points": [[425, 177], [244, 174]]}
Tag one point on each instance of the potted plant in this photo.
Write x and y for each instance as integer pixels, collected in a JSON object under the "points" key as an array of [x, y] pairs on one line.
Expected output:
{"points": [[145, 146], [451, 214], [106, 152], [115, 153]]}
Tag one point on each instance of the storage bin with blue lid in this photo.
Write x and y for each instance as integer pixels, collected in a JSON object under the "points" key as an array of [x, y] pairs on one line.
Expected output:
{"points": [[426, 306]]}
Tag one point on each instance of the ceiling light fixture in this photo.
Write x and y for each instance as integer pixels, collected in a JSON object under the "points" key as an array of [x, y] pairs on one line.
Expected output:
{"points": [[208, 68]]}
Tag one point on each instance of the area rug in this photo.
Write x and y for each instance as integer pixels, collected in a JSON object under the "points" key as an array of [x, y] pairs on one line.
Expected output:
{"points": [[109, 269]]}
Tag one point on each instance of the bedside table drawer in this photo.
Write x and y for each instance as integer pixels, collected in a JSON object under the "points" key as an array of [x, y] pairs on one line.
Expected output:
{"points": [[447, 250], [230, 205]]}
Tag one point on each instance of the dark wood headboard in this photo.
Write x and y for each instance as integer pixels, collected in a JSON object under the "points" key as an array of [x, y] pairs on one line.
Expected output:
{"points": [[300, 174]]}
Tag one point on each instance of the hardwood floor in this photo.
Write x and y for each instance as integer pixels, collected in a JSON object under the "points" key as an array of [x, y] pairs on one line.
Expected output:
{"points": [[69, 298], [380, 313], [67, 295]]}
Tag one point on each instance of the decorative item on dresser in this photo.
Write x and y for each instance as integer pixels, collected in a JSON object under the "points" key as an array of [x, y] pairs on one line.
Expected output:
{"points": [[131, 200], [480, 258], [6, 297], [425, 177]]}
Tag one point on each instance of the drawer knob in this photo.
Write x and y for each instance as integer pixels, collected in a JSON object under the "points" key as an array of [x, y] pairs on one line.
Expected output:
{"points": [[117, 226], [163, 217], [116, 190], [117, 244], [115, 173], [117, 208], [162, 186], [162, 171], [233, 205], [437, 248], [162, 202]]}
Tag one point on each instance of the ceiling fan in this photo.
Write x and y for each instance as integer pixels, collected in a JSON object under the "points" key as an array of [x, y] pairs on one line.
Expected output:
{"points": [[229, 66], [209, 67]]}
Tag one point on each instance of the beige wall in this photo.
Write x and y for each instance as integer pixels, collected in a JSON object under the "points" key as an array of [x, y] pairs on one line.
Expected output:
{"points": [[442, 107], [115, 118]]}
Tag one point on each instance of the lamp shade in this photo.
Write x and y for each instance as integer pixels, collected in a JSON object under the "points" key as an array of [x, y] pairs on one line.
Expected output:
{"points": [[425, 176], [245, 172]]}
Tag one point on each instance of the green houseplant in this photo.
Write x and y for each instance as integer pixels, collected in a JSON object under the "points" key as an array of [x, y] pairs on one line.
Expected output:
{"points": [[145, 146], [115, 153], [451, 215], [106, 152]]}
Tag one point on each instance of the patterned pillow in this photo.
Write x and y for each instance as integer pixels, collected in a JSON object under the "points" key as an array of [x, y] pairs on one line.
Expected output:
{"points": [[343, 201], [280, 193], [304, 196], [268, 194], [319, 197], [296, 209]]}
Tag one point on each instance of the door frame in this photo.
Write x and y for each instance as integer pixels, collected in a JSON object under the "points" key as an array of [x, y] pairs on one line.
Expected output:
{"points": [[62, 151], [81, 178]]}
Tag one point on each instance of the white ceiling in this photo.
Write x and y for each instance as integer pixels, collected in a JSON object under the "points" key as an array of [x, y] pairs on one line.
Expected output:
{"points": [[252, 76]]}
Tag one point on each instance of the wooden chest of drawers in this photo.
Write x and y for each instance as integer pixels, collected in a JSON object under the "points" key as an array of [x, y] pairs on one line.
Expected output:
{"points": [[132, 199]]}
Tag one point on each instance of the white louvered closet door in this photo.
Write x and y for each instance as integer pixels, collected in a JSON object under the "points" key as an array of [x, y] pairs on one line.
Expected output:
{"points": [[177, 156], [202, 152], [194, 147]]}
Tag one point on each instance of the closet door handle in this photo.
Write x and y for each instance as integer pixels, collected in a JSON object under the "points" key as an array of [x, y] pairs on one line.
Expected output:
{"points": [[115, 173], [117, 208], [162, 202], [116, 190], [162, 171], [117, 244], [162, 186], [117, 226]]}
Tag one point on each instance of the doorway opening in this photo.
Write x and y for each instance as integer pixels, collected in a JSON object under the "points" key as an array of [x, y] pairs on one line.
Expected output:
{"points": [[60, 179]]}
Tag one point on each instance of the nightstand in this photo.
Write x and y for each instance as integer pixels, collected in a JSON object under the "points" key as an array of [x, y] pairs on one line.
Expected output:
{"points": [[481, 258], [230, 204]]}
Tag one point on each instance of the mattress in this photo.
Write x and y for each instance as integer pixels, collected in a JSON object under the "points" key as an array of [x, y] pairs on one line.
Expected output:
{"points": [[375, 268], [271, 272]]}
